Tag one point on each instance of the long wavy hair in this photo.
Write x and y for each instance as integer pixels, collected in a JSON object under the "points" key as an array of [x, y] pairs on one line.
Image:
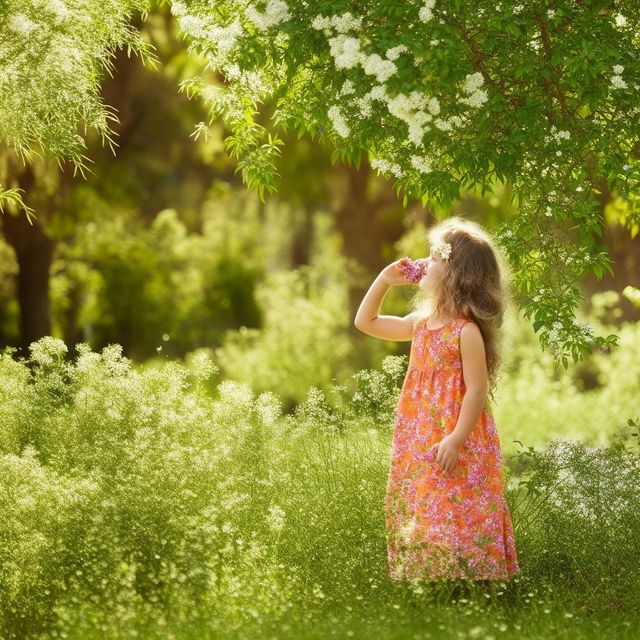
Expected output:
{"points": [[476, 285]]}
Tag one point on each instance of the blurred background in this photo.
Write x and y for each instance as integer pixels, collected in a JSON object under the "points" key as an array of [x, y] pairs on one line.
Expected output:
{"points": [[164, 251]]}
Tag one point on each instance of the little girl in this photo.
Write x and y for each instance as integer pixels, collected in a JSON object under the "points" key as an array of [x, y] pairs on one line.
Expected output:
{"points": [[446, 515]]}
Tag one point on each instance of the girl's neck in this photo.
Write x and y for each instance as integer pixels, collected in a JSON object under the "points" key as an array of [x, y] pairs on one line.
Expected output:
{"points": [[441, 317], [438, 321]]}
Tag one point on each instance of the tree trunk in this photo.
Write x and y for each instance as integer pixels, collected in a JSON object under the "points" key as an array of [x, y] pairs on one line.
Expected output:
{"points": [[623, 251], [367, 229], [34, 253]]}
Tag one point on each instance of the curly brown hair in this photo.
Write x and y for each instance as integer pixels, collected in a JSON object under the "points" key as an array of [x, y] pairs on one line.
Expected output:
{"points": [[476, 285]]}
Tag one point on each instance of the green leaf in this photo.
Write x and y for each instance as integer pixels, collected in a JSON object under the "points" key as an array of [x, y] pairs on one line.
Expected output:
{"points": [[537, 324]]}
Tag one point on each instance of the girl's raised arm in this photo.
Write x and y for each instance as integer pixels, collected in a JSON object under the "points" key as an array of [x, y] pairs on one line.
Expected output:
{"points": [[368, 319]]}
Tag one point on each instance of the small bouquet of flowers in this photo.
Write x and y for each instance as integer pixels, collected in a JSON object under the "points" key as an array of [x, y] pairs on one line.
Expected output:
{"points": [[412, 270]]}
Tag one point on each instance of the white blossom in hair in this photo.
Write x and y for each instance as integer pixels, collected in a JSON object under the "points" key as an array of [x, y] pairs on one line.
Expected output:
{"points": [[444, 249]]}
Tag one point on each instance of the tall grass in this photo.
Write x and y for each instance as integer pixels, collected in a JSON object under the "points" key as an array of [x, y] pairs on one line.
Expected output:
{"points": [[163, 502]]}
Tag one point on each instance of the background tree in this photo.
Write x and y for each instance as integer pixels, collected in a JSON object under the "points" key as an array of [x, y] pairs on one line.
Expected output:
{"points": [[53, 55]]}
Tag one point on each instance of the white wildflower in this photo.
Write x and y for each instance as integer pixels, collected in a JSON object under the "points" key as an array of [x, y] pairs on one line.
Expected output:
{"points": [[385, 166], [382, 69], [557, 135], [416, 133], [443, 125], [585, 328], [421, 164], [365, 105], [342, 24], [225, 38], [426, 12], [410, 107], [346, 22], [618, 69], [620, 20], [21, 24], [201, 365], [472, 85], [59, 9], [47, 350], [345, 51], [379, 92], [443, 249], [193, 26], [320, 23], [476, 99], [472, 82], [518, 8], [276, 517], [618, 83], [338, 122], [534, 44], [178, 8], [269, 408], [347, 88]]}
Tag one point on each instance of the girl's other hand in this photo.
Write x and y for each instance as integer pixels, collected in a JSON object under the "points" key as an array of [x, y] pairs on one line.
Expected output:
{"points": [[445, 452]]}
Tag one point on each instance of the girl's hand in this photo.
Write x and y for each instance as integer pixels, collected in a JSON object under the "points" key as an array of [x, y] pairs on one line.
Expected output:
{"points": [[393, 274], [447, 452]]}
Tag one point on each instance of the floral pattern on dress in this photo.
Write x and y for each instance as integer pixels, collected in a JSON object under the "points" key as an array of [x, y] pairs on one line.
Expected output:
{"points": [[438, 524]]}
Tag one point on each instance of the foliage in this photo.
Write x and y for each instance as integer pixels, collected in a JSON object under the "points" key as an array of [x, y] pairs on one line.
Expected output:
{"points": [[137, 504], [167, 284], [14, 197], [572, 502], [590, 402], [303, 339], [444, 96], [440, 96], [54, 54], [222, 283]]}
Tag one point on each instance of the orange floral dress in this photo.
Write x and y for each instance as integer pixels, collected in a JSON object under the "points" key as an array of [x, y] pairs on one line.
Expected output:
{"points": [[438, 524]]}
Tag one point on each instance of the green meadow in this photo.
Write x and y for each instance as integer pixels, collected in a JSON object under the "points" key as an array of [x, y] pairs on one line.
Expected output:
{"points": [[163, 502]]}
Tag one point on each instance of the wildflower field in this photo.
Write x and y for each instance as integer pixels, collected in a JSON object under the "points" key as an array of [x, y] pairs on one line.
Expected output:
{"points": [[163, 502]]}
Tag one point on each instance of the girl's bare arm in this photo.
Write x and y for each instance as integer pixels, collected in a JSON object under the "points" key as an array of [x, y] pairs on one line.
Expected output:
{"points": [[368, 319]]}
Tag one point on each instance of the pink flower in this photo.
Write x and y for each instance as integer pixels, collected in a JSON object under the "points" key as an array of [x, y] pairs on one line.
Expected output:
{"points": [[413, 271]]}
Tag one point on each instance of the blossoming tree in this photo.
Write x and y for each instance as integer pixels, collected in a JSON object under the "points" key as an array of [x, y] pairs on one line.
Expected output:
{"points": [[443, 95], [439, 95]]}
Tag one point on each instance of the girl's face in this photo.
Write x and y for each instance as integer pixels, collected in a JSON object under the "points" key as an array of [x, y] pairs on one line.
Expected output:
{"points": [[435, 267]]}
